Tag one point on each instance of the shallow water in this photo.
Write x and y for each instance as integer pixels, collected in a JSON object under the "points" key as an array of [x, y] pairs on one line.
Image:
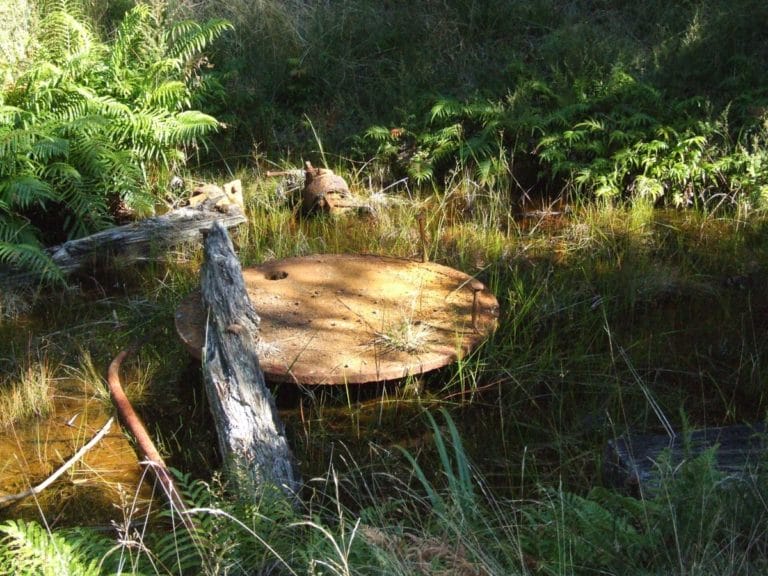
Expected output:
{"points": [[105, 485]]}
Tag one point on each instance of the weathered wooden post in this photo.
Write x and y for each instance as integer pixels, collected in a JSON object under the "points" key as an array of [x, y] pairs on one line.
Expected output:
{"points": [[251, 437]]}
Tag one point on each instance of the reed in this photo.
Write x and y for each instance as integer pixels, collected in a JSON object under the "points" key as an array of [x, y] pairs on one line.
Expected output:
{"points": [[28, 392]]}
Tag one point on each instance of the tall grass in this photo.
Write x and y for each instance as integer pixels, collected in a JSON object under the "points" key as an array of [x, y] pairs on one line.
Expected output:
{"points": [[601, 310], [27, 392], [438, 522]]}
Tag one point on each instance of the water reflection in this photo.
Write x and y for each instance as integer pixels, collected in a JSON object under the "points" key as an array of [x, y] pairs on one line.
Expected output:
{"points": [[105, 485]]}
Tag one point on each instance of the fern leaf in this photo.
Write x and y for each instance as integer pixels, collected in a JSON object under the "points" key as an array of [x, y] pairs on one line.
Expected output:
{"points": [[49, 147], [378, 133], [13, 143], [171, 95], [25, 191], [10, 115], [66, 34], [32, 550], [443, 109], [61, 172], [30, 258], [189, 38], [189, 126]]}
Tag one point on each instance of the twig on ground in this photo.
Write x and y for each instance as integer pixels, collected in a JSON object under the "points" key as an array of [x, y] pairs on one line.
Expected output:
{"points": [[5, 500]]}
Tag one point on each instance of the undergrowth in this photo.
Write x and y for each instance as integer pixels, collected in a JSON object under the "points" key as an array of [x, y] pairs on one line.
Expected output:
{"points": [[88, 126], [424, 523], [611, 320], [608, 192]]}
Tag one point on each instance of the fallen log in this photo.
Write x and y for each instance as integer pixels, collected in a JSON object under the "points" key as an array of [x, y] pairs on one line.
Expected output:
{"points": [[137, 241], [631, 462], [251, 437]]}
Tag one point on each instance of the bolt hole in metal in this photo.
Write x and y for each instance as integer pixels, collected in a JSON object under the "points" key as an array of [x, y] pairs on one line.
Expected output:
{"points": [[343, 318]]}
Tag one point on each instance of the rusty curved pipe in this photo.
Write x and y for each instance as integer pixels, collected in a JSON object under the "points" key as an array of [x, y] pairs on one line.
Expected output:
{"points": [[136, 427]]}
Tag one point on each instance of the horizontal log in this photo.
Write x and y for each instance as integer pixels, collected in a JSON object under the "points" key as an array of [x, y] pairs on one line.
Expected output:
{"points": [[631, 461], [135, 241]]}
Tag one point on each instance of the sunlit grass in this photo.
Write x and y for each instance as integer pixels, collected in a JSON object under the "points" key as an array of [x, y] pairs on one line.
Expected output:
{"points": [[405, 335], [28, 392], [602, 307]]}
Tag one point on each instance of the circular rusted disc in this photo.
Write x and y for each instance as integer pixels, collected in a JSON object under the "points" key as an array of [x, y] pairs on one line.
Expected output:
{"points": [[335, 319]]}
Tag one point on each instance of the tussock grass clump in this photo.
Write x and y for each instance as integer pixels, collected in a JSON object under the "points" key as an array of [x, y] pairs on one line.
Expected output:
{"points": [[406, 335], [27, 393]]}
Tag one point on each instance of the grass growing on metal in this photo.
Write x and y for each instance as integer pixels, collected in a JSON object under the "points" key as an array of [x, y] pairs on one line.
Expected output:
{"points": [[405, 334]]}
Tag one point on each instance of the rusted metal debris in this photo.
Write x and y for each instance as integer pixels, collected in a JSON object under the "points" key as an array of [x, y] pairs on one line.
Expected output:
{"points": [[324, 192], [351, 319]]}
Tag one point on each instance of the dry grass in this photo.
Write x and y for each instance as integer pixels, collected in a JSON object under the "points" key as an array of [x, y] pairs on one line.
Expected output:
{"points": [[405, 335], [29, 392]]}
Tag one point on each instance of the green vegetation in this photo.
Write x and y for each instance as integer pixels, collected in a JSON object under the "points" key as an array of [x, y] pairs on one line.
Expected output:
{"points": [[607, 98], [87, 125], [601, 166], [609, 317], [27, 393]]}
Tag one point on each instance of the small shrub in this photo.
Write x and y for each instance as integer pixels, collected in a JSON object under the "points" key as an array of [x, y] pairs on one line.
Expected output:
{"points": [[29, 393]]}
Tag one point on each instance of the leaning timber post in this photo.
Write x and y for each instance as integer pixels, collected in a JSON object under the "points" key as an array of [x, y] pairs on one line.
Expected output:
{"points": [[251, 437]]}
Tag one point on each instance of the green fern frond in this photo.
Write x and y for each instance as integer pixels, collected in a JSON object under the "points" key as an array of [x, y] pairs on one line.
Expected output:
{"points": [[15, 229], [492, 171], [91, 119], [49, 147], [66, 33], [24, 191], [133, 43], [378, 133], [163, 69], [421, 170], [16, 142], [190, 38], [444, 109], [31, 550], [591, 124], [481, 146], [189, 126], [101, 104], [61, 173], [10, 115], [171, 95]]}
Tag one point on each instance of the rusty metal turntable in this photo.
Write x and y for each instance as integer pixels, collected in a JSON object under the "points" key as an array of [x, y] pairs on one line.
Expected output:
{"points": [[341, 318]]}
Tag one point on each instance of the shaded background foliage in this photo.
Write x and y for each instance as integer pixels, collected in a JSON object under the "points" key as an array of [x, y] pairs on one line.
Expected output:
{"points": [[352, 64], [547, 95], [652, 100]]}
